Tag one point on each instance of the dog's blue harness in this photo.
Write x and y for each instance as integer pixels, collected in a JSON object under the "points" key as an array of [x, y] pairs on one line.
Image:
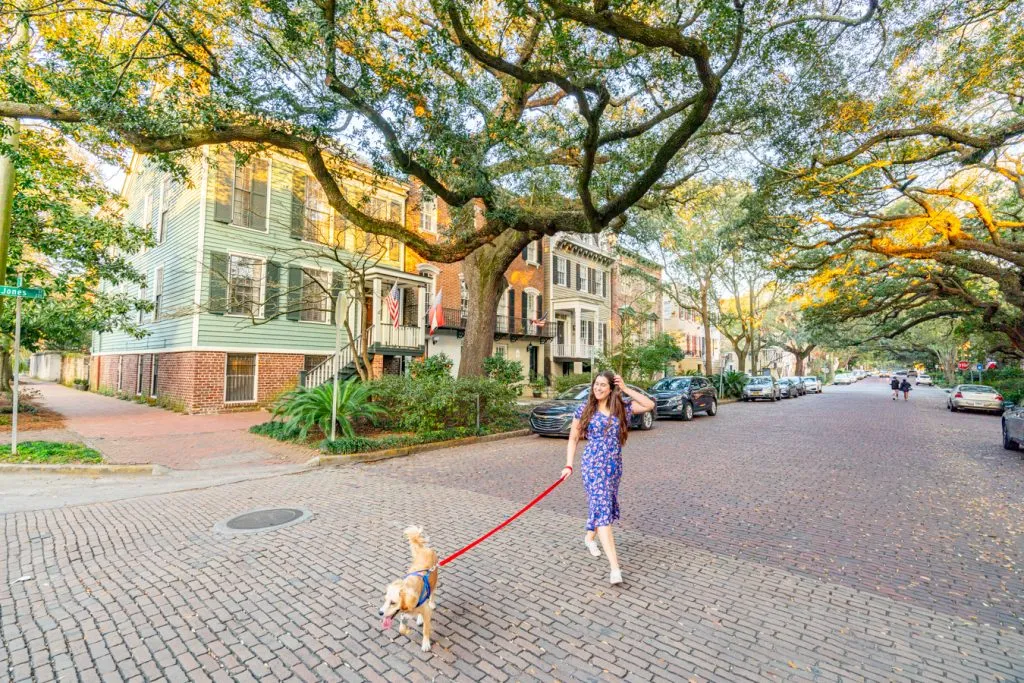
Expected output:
{"points": [[425, 591]]}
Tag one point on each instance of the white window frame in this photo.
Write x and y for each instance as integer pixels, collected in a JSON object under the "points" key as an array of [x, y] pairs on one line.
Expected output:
{"points": [[562, 272], [163, 211], [329, 283], [143, 296], [255, 379], [532, 311], [501, 350], [312, 182], [584, 278], [266, 225], [158, 291], [154, 374], [428, 212], [263, 284], [532, 252]]}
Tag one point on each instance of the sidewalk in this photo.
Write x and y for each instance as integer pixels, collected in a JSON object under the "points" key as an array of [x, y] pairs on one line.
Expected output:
{"points": [[127, 432]]}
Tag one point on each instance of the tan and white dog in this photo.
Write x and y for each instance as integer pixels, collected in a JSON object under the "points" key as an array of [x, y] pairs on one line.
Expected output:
{"points": [[415, 593]]}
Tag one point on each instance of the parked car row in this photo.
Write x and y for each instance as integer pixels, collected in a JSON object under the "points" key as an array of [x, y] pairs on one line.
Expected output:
{"points": [[674, 397], [766, 388]]}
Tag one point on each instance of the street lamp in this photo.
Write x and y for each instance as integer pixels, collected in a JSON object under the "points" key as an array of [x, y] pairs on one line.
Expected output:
{"points": [[341, 305]]}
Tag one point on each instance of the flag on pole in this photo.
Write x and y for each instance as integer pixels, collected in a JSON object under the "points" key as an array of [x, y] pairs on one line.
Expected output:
{"points": [[539, 322], [436, 314], [392, 301]]}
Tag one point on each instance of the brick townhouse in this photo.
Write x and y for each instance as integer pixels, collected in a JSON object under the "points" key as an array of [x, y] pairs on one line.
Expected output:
{"points": [[636, 297]]}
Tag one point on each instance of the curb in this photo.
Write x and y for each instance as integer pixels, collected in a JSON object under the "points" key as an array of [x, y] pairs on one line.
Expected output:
{"points": [[82, 469], [374, 456]]}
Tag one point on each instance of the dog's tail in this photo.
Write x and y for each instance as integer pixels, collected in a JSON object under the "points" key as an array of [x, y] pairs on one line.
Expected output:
{"points": [[417, 539]]}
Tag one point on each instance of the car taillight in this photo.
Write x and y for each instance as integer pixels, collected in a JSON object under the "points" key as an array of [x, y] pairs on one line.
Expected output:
{"points": [[958, 395], [999, 397]]}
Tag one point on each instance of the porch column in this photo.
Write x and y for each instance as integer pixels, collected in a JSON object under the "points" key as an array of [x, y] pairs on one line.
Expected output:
{"points": [[376, 301], [421, 311], [577, 336]]}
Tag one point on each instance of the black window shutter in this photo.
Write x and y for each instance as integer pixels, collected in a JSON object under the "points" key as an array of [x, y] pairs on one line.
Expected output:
{"points": [[294, 293], [554, 267], [337, 280], [511, 305], [540, 252], [218, 282], [272, 306], [298, 206], [540, 306], [259, 193], [524, 252], [524, 310], [579, 280], [604, 284], [224, 182]]}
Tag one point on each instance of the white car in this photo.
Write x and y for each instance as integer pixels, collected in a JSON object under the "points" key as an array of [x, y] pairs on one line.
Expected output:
{"points": [[924, 379], [813, 385], [843, 378]]}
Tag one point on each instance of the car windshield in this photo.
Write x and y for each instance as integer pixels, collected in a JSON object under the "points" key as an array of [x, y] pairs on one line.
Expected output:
{"points": [[810, 379], [671, 384], [577, 393], [977, 389], [759, 380]]}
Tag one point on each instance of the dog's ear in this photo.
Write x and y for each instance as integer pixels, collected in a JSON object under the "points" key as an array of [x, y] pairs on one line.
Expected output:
{"points": [[409, 596]]}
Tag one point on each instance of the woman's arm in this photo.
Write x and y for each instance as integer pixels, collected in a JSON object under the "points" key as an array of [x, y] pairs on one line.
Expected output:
{"points": [[570, 450], [641, 404]]}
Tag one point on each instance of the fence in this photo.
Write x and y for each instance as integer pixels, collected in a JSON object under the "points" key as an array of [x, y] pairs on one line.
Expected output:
{"points": [[54, 366]]}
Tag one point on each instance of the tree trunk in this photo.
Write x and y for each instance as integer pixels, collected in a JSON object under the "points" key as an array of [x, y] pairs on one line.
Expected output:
{"points": [[800, 358], [705, 316], [484, 272]]}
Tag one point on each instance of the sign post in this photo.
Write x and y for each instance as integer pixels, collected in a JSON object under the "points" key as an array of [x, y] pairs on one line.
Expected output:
{"points": [[19, 293]]}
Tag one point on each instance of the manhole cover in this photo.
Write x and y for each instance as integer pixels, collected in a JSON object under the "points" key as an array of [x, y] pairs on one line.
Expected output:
{"points": [[266, 519]]}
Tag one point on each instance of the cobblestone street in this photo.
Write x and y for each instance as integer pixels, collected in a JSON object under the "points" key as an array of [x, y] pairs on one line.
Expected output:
{"points": [[833, 537]]}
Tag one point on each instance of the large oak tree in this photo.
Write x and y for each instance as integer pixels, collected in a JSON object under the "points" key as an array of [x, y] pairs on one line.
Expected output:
{"points": [[550, 115]]}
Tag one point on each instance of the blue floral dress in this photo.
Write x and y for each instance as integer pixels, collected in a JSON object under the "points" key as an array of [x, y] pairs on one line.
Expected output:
{"points": [[602, 466]]}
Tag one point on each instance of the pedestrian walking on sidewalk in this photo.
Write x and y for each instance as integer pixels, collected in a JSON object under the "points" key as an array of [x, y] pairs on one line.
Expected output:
{"points": [[604, 422], [905, 388], [895, 385]]}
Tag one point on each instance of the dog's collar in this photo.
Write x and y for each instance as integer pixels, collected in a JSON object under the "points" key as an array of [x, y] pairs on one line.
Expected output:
{"points": [[424, 574]]}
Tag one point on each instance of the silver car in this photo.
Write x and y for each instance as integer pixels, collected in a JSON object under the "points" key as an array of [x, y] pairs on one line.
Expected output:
{"points": [[813, 385], [761, 388], [974, 397], [1013, 427]]}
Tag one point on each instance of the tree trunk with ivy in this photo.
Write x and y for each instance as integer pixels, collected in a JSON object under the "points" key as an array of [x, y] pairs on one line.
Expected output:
{"points": [[484, 272]]}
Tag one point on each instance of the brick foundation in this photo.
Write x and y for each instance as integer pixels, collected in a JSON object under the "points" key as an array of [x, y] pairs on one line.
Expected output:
{"points": [[194, 380]]}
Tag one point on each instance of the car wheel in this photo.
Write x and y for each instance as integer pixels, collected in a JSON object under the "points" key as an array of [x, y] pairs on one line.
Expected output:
{"points": [[774, 399], [647, 421], [1008, 443], [713, 408], [952, 408], [687, 411]]}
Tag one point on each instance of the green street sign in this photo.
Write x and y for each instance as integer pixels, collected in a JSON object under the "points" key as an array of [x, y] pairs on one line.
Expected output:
{"points": [[27, 292]]}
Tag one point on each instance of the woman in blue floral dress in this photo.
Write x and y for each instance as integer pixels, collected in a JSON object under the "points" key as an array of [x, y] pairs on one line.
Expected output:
{"points": [[604, 421]]}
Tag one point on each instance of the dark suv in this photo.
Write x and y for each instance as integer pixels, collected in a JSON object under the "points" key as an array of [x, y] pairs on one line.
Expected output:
{"points": [[684, 396]]}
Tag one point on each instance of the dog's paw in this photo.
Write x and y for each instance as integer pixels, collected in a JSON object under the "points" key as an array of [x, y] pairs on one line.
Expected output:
{"points": [[404, 630], [419, 620], [432, 604], [425, 646]]}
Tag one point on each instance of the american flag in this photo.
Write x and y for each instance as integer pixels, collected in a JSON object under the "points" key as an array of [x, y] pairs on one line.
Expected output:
{"points": [[436, 314], [392, 301], [539, 322]]}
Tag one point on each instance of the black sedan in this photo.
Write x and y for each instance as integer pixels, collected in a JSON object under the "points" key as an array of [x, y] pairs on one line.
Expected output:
{"points": [[554, 418], [684, 396]]}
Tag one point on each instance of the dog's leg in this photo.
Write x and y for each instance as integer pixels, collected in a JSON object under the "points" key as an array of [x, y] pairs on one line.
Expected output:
{"points": [[426, 631], [419, 619], [402, 628]]}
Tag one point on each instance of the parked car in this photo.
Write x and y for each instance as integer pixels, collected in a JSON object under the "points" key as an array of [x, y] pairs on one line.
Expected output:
{"points": [[924, 379], [1013, 427], [912, 373], [762, 388], [813, 385], [843, 378], [798, 384], [787, 389], [885, 373], [900, 374], [974, 397], [684, 396], [554, 418]]}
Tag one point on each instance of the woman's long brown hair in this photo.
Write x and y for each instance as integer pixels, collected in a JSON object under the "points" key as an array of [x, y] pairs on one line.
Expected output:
{"points": [[616, 406]]}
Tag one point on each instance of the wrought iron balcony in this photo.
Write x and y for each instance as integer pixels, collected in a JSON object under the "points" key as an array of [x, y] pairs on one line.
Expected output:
{"points": [[455, 319]]}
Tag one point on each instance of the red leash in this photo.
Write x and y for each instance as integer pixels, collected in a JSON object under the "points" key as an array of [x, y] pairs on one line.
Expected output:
{"points": [[503, 524]]}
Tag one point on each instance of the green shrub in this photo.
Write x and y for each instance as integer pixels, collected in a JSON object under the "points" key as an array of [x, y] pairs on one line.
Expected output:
{"points": [[503, 370], [1012, 389], [282, 431], [430, 402], [305, 408], [731, 385], [439, 365], [50, 452]]}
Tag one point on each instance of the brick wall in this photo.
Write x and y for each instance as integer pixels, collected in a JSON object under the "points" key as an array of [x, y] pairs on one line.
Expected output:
{"points": [[278, 372]]}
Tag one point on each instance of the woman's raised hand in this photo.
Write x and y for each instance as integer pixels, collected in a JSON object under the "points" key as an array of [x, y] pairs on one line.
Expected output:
{"points": [[619, 383]]}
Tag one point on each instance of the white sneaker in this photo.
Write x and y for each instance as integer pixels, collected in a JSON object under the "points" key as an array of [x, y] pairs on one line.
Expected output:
{"points": [[615, 577], [591, 544]]}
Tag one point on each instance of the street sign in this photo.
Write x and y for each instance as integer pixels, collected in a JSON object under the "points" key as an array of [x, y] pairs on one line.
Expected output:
{"points": [[27, 292], [990, 365], [979, 366], [963, 365]]}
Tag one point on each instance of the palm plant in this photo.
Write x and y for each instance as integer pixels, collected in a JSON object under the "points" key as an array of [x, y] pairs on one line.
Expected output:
{"points": [[303, 408]]}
